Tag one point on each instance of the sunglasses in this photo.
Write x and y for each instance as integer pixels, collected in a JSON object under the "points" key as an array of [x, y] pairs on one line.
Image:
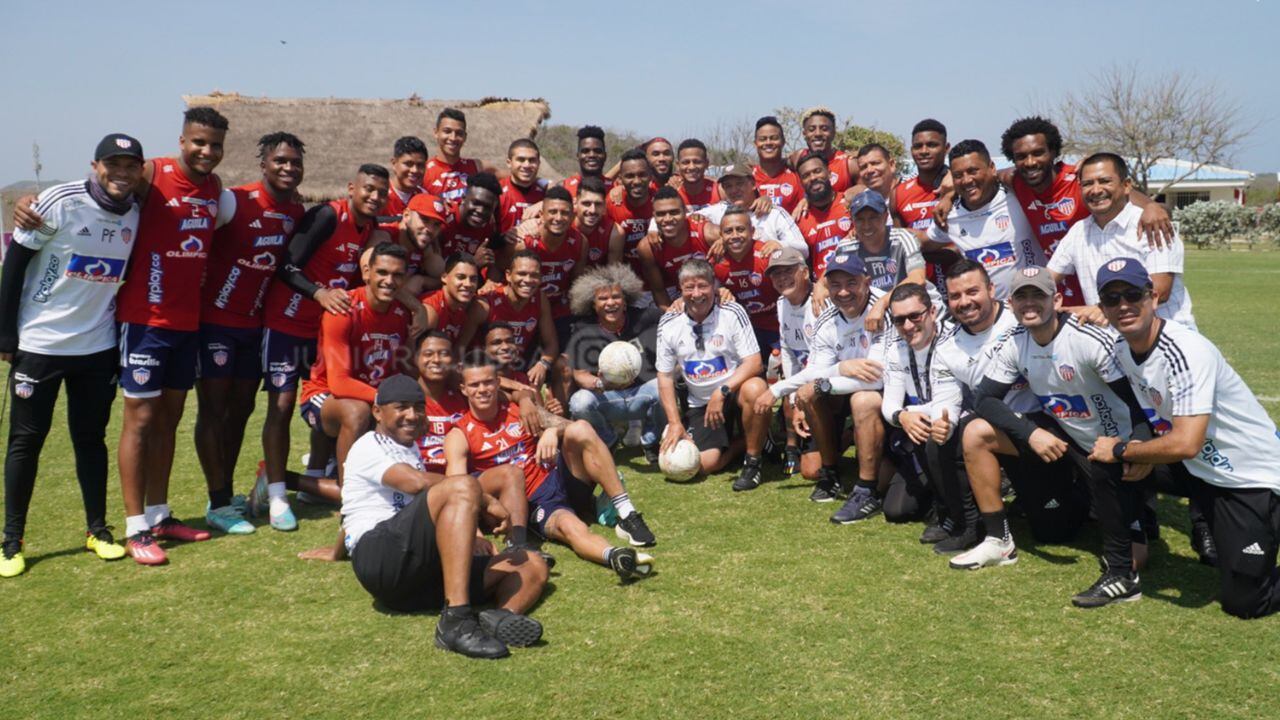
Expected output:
{"points": [[915, 318], [1133, 296], [698, 342]]}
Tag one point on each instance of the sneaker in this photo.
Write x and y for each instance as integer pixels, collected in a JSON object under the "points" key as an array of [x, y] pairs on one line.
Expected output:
{"points": [[228, 519], [826, 489], [991, 552], [791, 461], [651, 455], [844, 488], [861, 505], [12, 564], [749, 478], [1110, 588], [957, 541], [460, 632], [284, 521], [172, 528], [145, 550], [1202, 542], [629, 564], [514, 629], [258, 501], [936, 533], [634, 530], [103, 544]]}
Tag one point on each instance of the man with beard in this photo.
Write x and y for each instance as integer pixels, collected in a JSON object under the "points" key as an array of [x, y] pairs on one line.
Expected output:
{"points": [[591, 220], [682, 237], [447, 173], [818, 127], [592, 155], [825, 222], [254, 224], [773, 177], [418, 232]]}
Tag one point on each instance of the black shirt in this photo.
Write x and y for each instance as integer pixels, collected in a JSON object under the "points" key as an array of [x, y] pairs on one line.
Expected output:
{"points": [[640, 329]]}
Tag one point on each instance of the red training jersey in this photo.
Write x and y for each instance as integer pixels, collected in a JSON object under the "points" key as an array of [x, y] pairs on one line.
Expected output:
{"points": [[634, 223], [597, 240], [784, 189], [515, 199], [839, 167], [358, 349], [448, 180], [524, 320], [557, 264], [175, 231], [1051, 214], [335, 264], [503, 441], [913, 201], [823, 229], [449, 320], [245, 254], [747, 281], [442, 415], [572, 182], [670, 258], [708, 194], [458, 236]]}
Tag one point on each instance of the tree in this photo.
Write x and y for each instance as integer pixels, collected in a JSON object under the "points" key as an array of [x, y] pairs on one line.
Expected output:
{"points": [[1144, 120], [558, 145], [730, 142]]}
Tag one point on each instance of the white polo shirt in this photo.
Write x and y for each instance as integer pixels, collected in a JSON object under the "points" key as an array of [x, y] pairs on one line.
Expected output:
{"points": [[1086, 248]]}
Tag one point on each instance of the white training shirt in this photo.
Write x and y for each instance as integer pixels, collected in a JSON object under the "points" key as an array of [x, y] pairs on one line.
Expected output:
{"points": [[1086, 248], [1185, 375], [918, 380], [796, 324], [836, 338], [968, 354], [366, 501], [68, 295], [996, 235], [727, 340], [1069, 377], [777, 225]]}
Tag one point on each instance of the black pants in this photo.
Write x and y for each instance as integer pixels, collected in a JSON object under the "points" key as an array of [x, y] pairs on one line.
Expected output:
{"points": [[34, 381], [930, 475], [1246, 528]]}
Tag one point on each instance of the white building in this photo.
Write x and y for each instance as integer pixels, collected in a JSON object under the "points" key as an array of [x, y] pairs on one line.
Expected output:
{"points": [[1209, 182]]}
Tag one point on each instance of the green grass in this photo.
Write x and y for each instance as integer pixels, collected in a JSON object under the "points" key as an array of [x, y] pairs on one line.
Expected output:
{"points": [[760, 609]]}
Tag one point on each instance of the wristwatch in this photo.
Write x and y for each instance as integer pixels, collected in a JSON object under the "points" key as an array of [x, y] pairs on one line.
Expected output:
{"points": [[599, 383], [724, 390], [822, 386], [893, 419], [1117, 451]]}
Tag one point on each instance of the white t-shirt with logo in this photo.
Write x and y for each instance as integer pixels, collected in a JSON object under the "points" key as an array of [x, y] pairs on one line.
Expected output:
{"points": [[366, 501], [727, 340], [996, 235], [796, 324], [836, 338], [68, 296], [1185, 375], [1069, 377]]}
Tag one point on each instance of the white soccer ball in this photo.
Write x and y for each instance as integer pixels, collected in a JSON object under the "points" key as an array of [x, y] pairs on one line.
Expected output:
{"points": [[681, 462], [619, 363]]}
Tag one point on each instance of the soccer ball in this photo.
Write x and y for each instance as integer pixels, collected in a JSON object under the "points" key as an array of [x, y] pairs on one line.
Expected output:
{"points": [[619, 363], [681, 462]]}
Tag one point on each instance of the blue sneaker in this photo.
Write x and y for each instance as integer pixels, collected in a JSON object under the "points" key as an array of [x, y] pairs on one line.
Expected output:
{"points": [[862, 504], [284, 521], [229, 519]]}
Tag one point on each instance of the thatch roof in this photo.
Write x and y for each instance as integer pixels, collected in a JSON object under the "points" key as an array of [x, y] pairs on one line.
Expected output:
{"points": [[342, 133]]}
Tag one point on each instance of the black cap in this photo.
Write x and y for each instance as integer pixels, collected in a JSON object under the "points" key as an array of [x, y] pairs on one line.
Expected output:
{"points": [[118, 144], [399, 388]]}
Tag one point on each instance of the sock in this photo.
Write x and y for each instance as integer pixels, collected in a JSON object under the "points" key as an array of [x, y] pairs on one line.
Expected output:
{"points": [[156, 513], [622, 503], [996, 524], [276, 490], [135, 524], [608, 554], [278, 500], [518, 536], [219, 498]]}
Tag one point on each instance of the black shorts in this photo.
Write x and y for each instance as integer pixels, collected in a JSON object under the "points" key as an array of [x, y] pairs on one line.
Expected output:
{"points": [[561, 490], [707, 438], [840, 410], [398, 562]]}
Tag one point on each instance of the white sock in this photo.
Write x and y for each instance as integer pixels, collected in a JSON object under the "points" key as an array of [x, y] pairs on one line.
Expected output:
{"points": [[622, 503], [275, 490], [156, 513], [135, 524]]}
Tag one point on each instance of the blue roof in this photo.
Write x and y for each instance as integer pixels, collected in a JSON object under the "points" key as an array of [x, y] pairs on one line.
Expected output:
{"points": [[1166, 170]]}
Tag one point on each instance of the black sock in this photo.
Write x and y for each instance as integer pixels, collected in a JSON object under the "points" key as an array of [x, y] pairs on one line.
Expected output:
{"points": [[219, 498], [996, 524], [453, 613]]}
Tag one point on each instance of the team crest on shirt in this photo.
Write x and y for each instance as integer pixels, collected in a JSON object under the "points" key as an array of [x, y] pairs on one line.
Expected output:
{"points": [[844, 224], [756, 279], [141, 375], [1066, 372], [24, 390], [716, 341], [891, 266], [126, 236], [835, 178], [1003, 222], [787, 188]]}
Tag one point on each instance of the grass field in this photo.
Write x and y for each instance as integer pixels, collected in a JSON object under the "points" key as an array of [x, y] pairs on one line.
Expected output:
{"points": [[760, 609]]}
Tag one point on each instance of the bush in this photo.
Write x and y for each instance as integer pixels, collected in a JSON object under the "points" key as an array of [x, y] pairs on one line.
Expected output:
{"points": [[1269, 222], [1215, 223]]}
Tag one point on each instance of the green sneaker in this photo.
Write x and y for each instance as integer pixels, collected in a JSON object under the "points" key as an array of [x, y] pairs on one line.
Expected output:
{"points": [[229, 519], [12, 564]]}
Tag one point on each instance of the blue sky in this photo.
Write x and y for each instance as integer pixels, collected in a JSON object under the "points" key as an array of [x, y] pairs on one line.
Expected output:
{"points": [[671, 68]]}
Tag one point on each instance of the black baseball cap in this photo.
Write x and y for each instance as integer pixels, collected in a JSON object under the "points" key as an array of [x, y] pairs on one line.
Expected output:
{"points": [[118, 144], [399, 388]]}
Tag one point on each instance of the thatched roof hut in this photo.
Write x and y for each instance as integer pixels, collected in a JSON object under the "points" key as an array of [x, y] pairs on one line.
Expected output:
{"points": [[342, 133]]}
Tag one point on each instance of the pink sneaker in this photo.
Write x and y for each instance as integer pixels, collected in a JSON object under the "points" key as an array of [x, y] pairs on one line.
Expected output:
{"points": [[144, 549], [172, 528]]}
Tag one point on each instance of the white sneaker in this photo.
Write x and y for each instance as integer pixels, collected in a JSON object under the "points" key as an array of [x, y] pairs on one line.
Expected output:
{"points": [[991, 552], [634, 434]]}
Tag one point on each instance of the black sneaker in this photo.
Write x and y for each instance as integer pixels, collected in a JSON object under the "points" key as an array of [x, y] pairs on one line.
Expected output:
{"points": [[862, 504], [1202, 542], [957, 541], [937, 532], [626, 563], [844, 488], [651, 454], [1110, 588], [749, 478], [514, 629], [547, 557], [826, 489], [458, 631], [791, 461], [634, 530]]}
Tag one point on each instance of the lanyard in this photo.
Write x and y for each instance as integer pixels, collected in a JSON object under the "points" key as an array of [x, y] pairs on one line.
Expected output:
{"points": [[925, 389]]}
